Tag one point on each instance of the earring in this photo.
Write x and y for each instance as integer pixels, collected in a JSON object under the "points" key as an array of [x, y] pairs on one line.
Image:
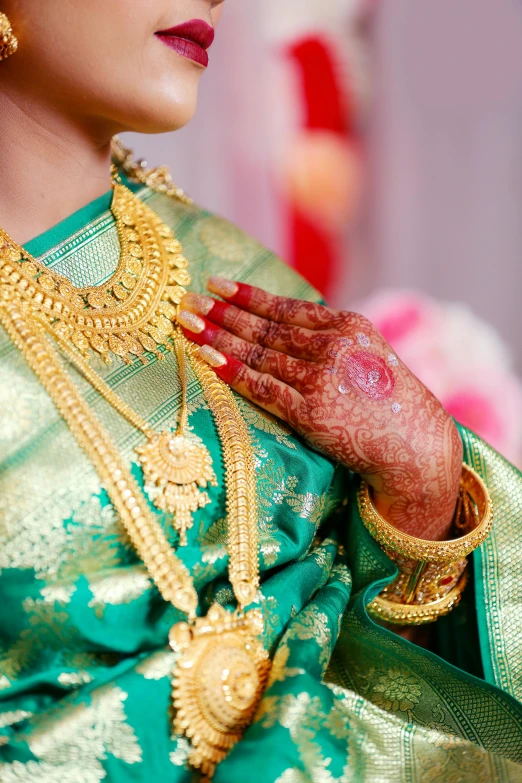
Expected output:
{"points": [[8, 41]]}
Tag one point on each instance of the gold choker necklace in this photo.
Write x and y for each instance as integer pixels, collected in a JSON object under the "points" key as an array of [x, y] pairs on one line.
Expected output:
{"points": [[222, 668], [131, 315]]}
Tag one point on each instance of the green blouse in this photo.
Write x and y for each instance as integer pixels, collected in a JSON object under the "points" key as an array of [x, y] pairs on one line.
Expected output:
{"points": [[84, 661]]}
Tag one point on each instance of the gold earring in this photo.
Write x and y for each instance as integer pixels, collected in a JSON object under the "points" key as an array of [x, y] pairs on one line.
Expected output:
{"points": [[8, 41]]}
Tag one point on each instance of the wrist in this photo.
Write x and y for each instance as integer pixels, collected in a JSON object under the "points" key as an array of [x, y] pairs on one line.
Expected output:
{"points": [[420, 515], [419, 498]]}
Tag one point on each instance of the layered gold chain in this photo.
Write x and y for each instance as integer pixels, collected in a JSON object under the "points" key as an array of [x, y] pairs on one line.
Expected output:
{"points": [[169, 573], [243, 544], [222, 667], [131, 315]]}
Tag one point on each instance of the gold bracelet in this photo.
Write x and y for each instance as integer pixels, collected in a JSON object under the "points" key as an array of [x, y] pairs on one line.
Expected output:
{"points": [[432, 574], [390, 538], [382, 608]]}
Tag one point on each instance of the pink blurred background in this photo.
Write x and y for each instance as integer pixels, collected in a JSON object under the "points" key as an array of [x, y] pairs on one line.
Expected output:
{"points": [[377, 147]]}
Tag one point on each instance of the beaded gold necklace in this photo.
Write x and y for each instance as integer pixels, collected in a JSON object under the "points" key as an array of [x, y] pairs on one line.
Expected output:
{"points": [[222, 666]]}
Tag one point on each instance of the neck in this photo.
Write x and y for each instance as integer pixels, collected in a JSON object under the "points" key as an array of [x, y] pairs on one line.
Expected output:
{"points": [[52, 165]]}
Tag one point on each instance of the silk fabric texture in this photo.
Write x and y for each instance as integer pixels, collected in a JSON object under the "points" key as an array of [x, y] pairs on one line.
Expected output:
{"points": [[85, 668]]}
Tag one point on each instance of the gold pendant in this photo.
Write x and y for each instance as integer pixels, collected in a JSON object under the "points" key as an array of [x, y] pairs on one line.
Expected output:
{"points": [[218, 683], [177, 471]]}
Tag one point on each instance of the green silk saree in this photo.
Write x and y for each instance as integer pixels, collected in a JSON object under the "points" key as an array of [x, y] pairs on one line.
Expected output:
{"points": [[84, 661]]}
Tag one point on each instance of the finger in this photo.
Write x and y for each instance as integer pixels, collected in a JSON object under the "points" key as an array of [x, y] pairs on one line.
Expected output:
{"points": [[293, 340], [281, 309], [264, 360], [264, 390]]}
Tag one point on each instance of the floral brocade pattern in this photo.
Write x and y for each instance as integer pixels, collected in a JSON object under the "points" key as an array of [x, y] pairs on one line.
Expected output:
{"points": [[395, 691], [84, 664]]}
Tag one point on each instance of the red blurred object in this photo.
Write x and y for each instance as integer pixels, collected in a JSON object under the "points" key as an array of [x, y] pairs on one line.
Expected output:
{"points": [[315, 249], [326, 103]]}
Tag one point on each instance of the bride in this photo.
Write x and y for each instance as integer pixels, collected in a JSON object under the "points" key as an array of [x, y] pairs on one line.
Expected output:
{"points": [[239, 538]]}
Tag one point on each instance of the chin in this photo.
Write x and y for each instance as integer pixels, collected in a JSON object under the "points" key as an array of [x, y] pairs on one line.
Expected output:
{"points": [[166, 106], [161, 118]]}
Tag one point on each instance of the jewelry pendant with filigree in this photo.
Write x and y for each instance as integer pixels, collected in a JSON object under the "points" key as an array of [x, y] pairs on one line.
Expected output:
{"points": [[219, 680], [177, 471], [222, 668]]}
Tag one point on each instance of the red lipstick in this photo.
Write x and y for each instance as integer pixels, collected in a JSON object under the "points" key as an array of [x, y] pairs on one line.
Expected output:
{"points": [[190, 39]]}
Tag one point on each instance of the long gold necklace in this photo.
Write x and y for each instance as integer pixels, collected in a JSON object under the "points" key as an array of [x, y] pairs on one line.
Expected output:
{"points": [[222, 667], [132, 315]]}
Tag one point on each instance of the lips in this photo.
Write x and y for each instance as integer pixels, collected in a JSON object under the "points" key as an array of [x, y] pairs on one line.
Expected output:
{"points": [[190, 39]]}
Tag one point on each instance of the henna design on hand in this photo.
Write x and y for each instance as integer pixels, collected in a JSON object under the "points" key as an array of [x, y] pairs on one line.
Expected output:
{"points": [[336, 381]]}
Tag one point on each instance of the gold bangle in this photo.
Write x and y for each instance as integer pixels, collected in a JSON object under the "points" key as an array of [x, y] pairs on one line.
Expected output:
{"points": [[393, 540], [432, 574], [382, 608]]}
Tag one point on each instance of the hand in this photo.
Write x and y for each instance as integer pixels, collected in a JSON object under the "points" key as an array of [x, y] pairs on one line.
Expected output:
{"points": [[335, 380]]}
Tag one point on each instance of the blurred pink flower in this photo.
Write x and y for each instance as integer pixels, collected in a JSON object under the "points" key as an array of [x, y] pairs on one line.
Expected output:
{"points": [[459, 357]]}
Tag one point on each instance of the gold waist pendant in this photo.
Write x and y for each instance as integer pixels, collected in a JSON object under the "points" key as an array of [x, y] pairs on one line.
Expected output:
{"points": [[222, 668]]}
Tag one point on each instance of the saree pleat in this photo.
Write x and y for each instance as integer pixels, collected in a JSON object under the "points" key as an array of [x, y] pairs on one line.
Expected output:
{"points": [[84, 661]]}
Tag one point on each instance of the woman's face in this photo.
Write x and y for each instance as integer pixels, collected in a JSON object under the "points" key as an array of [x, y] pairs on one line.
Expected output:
{"points": [[102, 61]]}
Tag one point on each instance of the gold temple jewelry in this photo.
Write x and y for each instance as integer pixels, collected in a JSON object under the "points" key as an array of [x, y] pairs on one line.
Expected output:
{"points": [[240, 473], [129, 315], [8, 40], [222, 669], [432, 574], [178, 470]]}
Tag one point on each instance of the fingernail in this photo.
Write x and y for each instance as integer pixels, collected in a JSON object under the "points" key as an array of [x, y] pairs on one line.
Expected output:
{"points": [[198, 303], [223, 287], [191, 321], [211, 356]]}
